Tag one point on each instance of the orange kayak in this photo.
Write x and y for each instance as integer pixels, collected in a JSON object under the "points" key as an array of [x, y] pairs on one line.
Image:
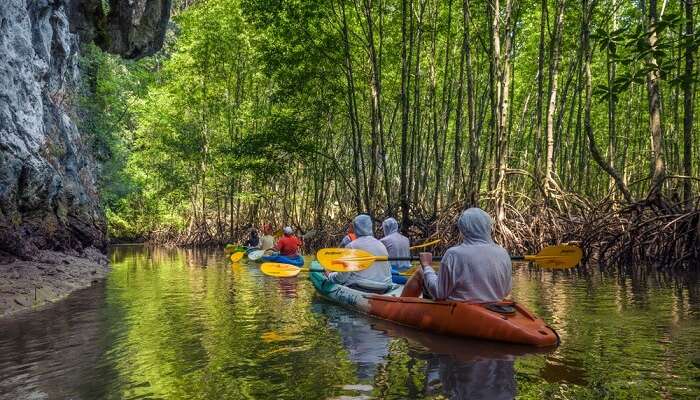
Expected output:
{"points": [[505, 321]]}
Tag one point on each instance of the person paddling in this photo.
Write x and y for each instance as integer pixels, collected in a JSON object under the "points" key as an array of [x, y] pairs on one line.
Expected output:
{"points": [[253, 241], [376, 278], [349, 237], [476, 271], [288, 245], [396, 244], [267, 242]]}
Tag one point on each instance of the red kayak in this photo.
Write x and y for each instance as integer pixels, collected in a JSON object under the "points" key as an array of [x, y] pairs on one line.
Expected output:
{"points": [[505, 321]]}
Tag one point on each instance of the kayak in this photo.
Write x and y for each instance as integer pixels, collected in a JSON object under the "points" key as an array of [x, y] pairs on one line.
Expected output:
{"points": [[233, 248], [297, 261], [504, 321], [397, 278], [255, 255]]}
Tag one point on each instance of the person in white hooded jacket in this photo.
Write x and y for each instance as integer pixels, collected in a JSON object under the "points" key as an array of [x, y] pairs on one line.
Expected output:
{"points": [[377, 278], [475, 271], [396, 244]]}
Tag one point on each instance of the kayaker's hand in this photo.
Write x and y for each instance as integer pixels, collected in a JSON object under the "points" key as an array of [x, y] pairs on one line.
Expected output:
{"points": [[426, 259]]}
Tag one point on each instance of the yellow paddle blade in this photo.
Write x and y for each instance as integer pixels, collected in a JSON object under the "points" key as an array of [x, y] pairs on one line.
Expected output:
{"points": [[557, 257], [280, 270], [346, 260], [237, 256], [420, 246]]}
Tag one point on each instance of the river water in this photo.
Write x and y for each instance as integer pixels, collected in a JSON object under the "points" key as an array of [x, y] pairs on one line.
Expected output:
{"points": [[186, 324]]}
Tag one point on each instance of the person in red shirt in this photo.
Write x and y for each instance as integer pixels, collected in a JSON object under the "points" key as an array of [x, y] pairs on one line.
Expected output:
{"points": [[288, 245]]}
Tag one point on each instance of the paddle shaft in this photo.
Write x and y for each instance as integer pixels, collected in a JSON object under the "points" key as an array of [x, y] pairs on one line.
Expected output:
{"points": [[408, 258], [438, 258], [420, 246]]}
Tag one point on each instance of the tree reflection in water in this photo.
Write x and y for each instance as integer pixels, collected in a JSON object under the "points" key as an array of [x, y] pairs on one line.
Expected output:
{"points": [[401, 361]]}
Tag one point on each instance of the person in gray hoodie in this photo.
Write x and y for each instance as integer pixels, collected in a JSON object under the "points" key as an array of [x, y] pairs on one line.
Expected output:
{"points": [[396, 244], [476, 271], [377, 278]]}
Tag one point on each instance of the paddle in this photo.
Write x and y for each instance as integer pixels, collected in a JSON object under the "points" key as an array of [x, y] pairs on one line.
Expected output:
{"points": [[237, 256], [552, 257], [420, 246], [280, 270]]}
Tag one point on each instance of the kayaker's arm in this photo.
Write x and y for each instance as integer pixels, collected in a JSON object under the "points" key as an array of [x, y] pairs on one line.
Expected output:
{"points": [[425, 258], [346, 240], [439, 285], [339, 277], [429, 277]]}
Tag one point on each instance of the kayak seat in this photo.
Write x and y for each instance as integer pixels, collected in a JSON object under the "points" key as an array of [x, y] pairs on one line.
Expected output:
{"points": [[500, 308], [379, 288]]}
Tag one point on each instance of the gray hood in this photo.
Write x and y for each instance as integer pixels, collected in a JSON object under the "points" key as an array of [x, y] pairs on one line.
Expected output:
{"points": [[363, 225], [390, 226], [475, 226]]}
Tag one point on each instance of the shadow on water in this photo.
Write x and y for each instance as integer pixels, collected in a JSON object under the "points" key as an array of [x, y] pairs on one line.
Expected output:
{"points": [[185, 323]]}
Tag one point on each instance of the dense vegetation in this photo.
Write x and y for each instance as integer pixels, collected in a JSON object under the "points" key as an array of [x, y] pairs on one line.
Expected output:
{"points": [[568, 120]]}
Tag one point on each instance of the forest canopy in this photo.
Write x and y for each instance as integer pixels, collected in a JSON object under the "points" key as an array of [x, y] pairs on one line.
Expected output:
{"points": [[567, 120]]}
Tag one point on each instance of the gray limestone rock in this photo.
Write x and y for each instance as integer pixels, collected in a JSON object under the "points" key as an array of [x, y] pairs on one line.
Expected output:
{"points": [[48, 197], [136, 28]]}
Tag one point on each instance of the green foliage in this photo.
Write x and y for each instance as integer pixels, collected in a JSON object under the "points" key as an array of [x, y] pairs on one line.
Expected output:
{"points": [[114, 92], [631, 50], [248, 113], [105, 108], [170, 129]]}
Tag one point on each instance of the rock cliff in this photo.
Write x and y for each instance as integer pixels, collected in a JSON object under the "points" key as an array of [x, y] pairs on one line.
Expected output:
{"points": [[48, 198]]}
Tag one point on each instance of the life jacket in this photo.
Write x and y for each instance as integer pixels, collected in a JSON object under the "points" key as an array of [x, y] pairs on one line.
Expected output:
{"points": [[352, 236]]}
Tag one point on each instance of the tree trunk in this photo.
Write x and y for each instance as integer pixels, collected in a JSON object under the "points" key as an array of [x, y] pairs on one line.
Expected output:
{"points": [[404, 116], [550, 183], [612, 101], [457, 149], [352, 113], [655, 127], [376, 114], [544, 19], [587, 11], [446, 108], [474, 182], [688, 103], [417, 115], [500, 85]]}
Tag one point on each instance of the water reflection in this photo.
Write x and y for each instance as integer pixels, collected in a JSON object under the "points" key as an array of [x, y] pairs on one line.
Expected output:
{"points": [[182, 324], [482, 379], [464, 369], [367, 348], [287, 287], [455, 368]]}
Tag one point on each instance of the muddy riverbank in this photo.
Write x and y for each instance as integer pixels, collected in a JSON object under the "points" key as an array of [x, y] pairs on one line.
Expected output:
{"points": [[50, 276]]}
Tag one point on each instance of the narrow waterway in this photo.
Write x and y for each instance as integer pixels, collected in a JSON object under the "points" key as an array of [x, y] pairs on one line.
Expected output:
{"points": [[186, 324]]}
